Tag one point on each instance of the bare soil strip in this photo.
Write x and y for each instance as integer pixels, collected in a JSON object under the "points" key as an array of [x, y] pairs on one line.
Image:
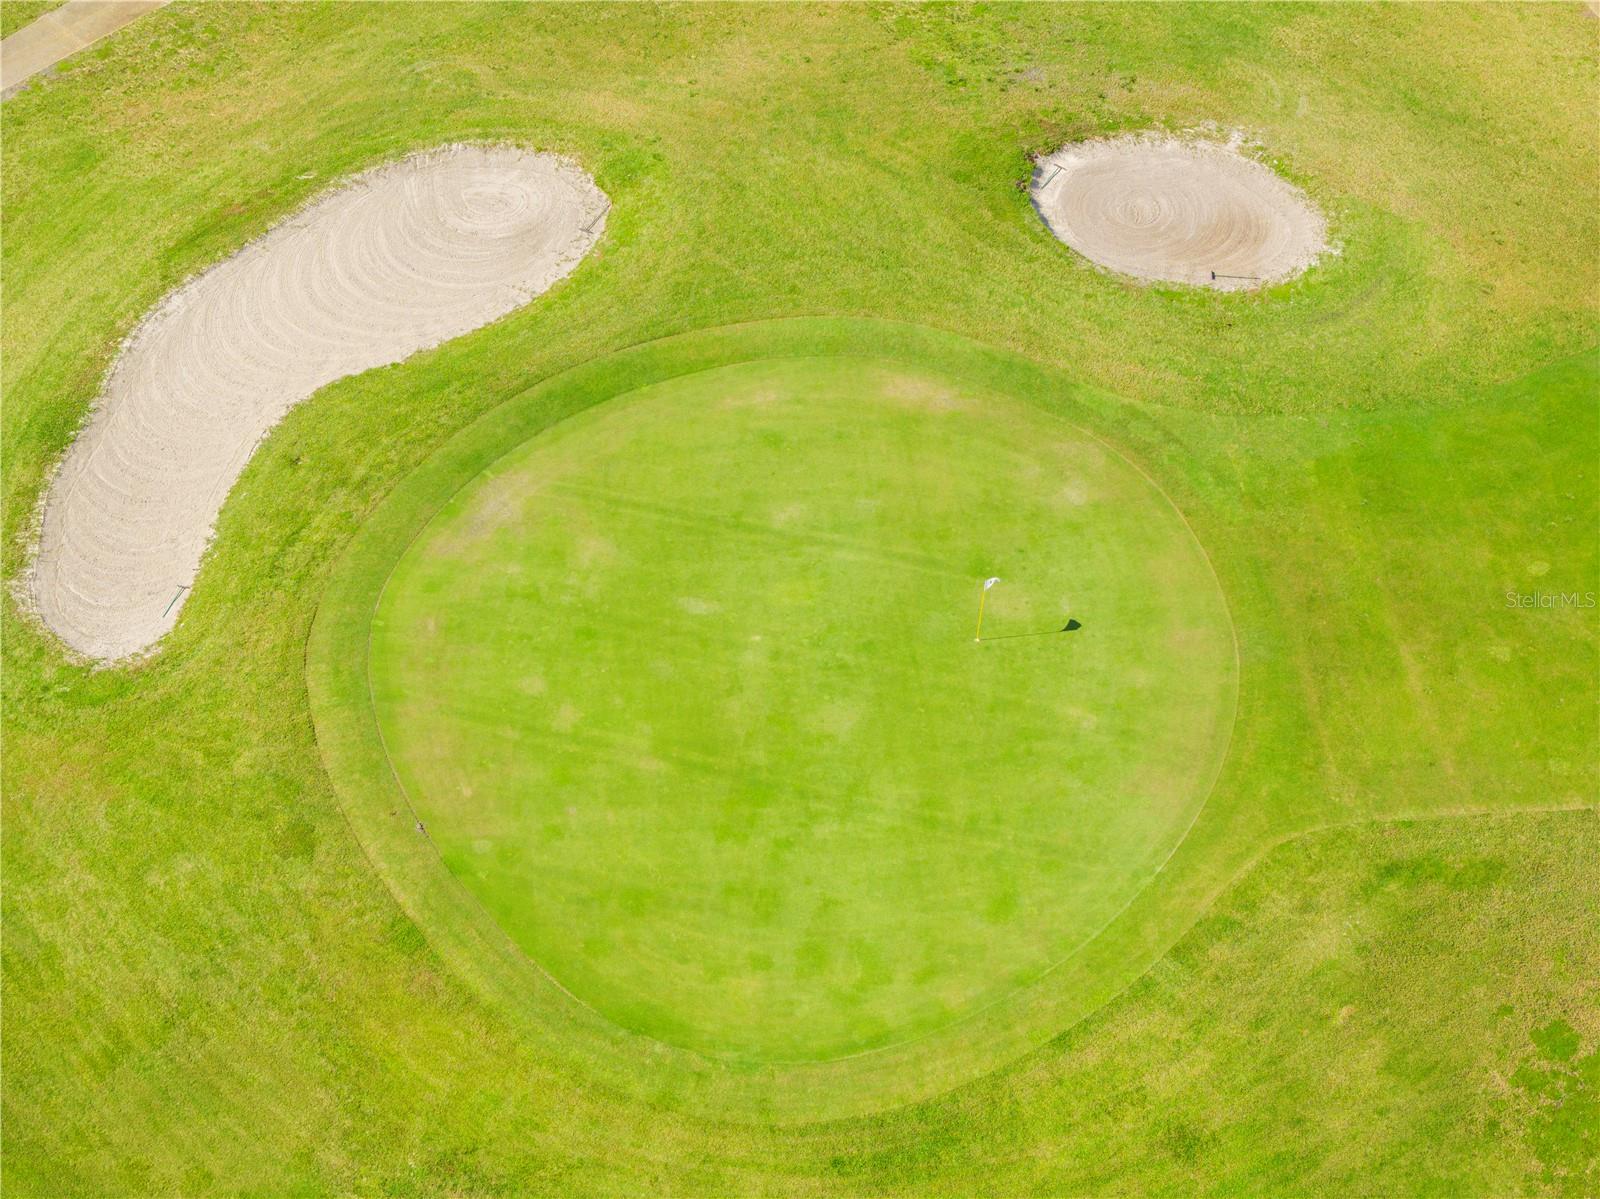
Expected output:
{"points": [[61, 32], [400, 259], [1165, 208]]}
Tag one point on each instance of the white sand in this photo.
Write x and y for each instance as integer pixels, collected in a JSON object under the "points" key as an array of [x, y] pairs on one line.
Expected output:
{"points": [[400, 259], [1160, 207]]}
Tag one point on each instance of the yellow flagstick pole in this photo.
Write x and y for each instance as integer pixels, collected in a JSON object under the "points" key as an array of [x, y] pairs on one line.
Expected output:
{"points": [[983, 598]]}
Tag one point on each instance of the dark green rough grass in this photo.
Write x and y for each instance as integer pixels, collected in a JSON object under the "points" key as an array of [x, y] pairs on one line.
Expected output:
{"points": [[206, 987]]}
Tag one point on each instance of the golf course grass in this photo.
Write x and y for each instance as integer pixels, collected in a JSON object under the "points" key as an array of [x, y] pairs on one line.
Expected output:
{"points": [[687, 694], [1276, 877]]}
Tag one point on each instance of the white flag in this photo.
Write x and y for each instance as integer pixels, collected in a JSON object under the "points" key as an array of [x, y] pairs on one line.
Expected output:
{"points": [[988, 583]]}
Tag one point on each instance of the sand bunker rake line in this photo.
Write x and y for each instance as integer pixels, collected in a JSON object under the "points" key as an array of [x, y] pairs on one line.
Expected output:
{"points": [[1179, 209], [482, 229]]}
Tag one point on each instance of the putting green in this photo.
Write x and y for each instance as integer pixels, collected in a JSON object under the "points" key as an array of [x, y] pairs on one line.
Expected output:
{"points": [[686, 694]]}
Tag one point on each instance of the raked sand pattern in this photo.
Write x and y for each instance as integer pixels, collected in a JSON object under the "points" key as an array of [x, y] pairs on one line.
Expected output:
{"points": [[1165, 208], [400, 259]]}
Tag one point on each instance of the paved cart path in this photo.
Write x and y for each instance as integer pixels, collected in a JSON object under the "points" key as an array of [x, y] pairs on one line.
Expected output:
{"points": [[60, 32]]}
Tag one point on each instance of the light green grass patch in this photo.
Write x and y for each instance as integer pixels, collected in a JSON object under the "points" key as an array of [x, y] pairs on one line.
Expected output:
{"points": [[687, 694]]}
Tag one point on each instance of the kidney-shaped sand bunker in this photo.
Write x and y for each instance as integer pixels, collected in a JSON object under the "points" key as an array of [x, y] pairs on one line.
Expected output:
{"points": [[1180, 211], [400, 259]]}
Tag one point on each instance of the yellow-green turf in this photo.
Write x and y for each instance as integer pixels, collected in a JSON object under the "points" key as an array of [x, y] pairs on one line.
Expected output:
{"points": [[230, 964], [687, 694]]}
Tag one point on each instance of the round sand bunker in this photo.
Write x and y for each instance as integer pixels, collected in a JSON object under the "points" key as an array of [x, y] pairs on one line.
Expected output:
{"points": [[400, 259], [1181, 211]]}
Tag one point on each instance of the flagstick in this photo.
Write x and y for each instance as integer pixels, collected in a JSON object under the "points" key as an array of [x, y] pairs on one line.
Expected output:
{"points": [[982, 598]]}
